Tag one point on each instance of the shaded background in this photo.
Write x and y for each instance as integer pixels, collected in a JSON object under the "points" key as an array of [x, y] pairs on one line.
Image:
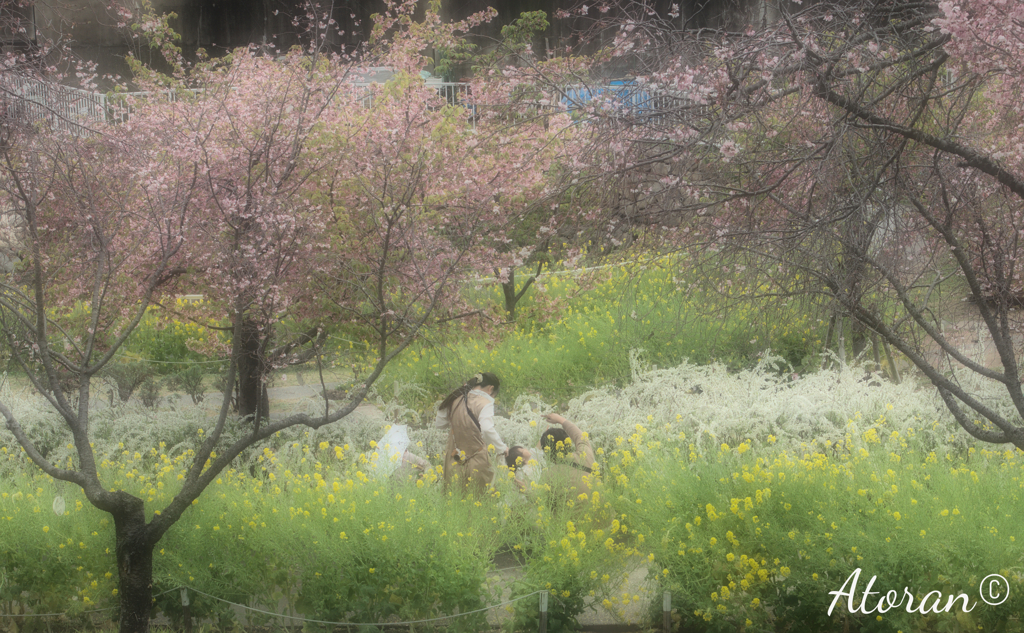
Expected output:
{"points": [[221, 25]]}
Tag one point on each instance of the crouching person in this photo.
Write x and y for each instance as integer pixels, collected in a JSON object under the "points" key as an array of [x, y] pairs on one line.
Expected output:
{"points": [[412, 467], [402, 464]]}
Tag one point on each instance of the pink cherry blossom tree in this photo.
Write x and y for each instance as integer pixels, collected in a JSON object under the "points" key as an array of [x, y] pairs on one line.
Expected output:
{"points": [[274, 187], [91, 232], [867, 155], [409, 194], [256, 227]]}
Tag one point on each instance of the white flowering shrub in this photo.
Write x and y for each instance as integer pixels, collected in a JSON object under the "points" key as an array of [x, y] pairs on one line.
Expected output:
{"points": [[713, 405], [707, 403]]}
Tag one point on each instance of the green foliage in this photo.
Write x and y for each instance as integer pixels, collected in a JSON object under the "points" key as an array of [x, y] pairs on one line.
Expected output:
{"points": [[575, 330], [149, 393], [155, 31], [47, 563], [166, 340], [804, 495], [127, 377], [516, 41], [568, 547], [190, 380], [754, 537], [314, 525]]}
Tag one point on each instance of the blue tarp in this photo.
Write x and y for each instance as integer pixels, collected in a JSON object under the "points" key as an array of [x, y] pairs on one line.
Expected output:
{"points": [[624, 94]]}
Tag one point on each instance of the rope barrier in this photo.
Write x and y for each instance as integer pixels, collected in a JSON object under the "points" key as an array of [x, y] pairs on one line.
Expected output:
{"points": [[573, 271], [570, 271], [295, 617], [175, 362], [280, 615], [50, 615], [341, 338], [222, 360], [57, 615]]}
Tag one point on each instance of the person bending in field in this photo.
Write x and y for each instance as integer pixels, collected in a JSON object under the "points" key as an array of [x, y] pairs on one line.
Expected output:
{"points": [[571, 461], [468, 414], [412, 467], [403, 464]]}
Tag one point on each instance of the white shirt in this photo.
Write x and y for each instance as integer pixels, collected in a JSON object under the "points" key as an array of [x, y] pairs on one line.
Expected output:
{"points": [[490, 434], [528, 473]]}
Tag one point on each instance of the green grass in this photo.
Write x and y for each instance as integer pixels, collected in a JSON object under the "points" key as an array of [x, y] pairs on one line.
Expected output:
{"points": [[313, 525], [755, 538], [574, 331], [750, 537]]}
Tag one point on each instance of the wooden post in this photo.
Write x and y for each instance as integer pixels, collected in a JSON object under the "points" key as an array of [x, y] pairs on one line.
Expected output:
{"points": [[892, 361], [666, 610], [544, 612], [828, 339], [841, 341], [186, 614], [874, 352]]}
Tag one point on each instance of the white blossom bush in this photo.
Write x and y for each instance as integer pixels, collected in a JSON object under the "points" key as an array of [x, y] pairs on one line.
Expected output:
{"points": [[707, 403], [712, 405]]}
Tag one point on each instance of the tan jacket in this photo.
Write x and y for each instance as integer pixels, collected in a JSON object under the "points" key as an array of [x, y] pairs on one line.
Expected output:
{"points": [[572, 479], [472, 469]]}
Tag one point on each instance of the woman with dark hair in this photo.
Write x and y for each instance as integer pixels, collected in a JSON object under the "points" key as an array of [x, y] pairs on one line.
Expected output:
{"points": [[468, 414]]}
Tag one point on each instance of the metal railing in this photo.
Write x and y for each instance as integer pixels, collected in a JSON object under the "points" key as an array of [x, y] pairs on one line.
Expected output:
{"points": [[77, 111], [63, 108], [454, 93], [121, 105]]}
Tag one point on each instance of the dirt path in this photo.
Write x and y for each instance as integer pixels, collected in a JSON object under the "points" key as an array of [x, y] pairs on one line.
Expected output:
{"points": [[962, 326]]}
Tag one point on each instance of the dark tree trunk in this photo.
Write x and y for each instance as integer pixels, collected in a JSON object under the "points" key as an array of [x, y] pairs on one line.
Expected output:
{"points": [[508, 288], [858, 337], [252, 391], [860, 231], [134, 564]]}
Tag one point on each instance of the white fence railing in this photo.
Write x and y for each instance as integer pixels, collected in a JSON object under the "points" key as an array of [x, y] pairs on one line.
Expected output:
{"points": [[121, 105], [77, 111], [63, 108]]}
